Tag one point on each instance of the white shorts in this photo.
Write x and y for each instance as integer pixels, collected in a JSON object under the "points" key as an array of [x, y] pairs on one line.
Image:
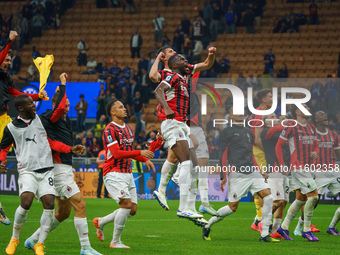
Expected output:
{"points": [[240, 184], [174, 130], [64, 181], [202, 149], [330, 180], [121, 186], [302, 180], [279, 186], [36, 183]]}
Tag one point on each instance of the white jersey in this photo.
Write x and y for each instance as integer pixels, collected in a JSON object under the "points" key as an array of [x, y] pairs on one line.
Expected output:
{"points": [[32, 149]]}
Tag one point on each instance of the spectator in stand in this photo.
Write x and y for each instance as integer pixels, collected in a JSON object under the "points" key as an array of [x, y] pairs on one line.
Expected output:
{"points": [[196, 52], [198, 28], [79, 138], [114, 72], [94, 148], [32, 73], [186, 24], [99, 127], [89, 137], [331, 94], [249, 20], [140, 139], [283, 72], [143, 63], [112, 89], [35, 52], [121, 80], [207, 13], [257, 9], [165, 40], [292, 26], [230, 20], [82, 58], [85, 153], [224, 64], [126, 101], [159, 23], [152, 59], [152, 129], [27, 11], [269, 60], [125, 85], [16, 27], [145, 85], [38, 23], [100, 161], [91, 66], [267, 80], [301, 17], [178, 41], [134, 87], [115, 3], [102, 88], [129, 6], [215, 22], [212, 148], [136, 43], [24, 36], [313, 13], [14, 68], [187, 47], [251, 80], [103, 72], [133, 76], [81, 108], [102, 101], [241, 81], [138, 107], [126, 70]]}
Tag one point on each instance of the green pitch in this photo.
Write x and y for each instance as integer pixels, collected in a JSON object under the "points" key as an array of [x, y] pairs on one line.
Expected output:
{"points": [[155, 231]]}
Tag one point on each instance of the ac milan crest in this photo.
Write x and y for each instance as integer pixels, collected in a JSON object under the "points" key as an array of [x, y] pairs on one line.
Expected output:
{"points": [[122, 192], [69, 189], [20, 185]]}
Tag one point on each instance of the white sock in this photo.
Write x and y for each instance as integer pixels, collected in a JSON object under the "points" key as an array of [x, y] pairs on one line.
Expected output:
{"points": [[166, 173], [224, 212], [178, 170], [107, 219], [45, 224], [120, 221], [193, 190], [19, 220], [83, 231], [184, 180], [266, 214], [203, 186], [292, 212], [335, 219], [308, 212], [276, 225], [300, 223], [54, 225], [258, 218]]}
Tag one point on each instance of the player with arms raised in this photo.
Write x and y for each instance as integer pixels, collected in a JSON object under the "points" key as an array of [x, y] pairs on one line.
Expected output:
{"points": [[118, 178]]}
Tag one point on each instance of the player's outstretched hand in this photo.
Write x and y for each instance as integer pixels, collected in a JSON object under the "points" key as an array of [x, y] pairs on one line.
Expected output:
{"points": [[150, 166], [63, 78], [78, 149], [12, 35], [3, 168], [169, 113], [43, 93], [223, 183], [211, 50], [314, 155], [146, 153]]}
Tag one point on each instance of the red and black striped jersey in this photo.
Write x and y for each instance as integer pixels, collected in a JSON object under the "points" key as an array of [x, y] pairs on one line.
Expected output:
{"points": [[328, 143], [123, 136], [302, 142], [177, 97], [164, 74]]}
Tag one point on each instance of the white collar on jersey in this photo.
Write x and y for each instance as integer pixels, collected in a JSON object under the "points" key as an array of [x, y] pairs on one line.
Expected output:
{"points": [[320, 133], [169, 70], [118, 124], [180, 76], [301, 123]]}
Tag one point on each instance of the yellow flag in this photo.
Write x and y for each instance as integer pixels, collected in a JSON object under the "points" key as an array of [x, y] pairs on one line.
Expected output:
{"points": [[44, 66]]}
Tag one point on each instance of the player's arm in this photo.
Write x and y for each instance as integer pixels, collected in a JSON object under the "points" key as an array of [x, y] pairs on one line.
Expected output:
{"points": [[117, 153], [273, 130], [63, 148], [337, 145], [258, 141], [223, 152], [7, 46], [59, 108], [159, 93], [208, 63], [7, 141], [14, 92], [316, 149], [153, 74]]}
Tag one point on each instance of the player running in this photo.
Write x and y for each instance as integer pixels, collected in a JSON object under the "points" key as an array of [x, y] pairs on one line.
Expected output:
{"points": [[265, 98], [304, 148], [157, 76], [58, 128], [236, 153], [118, 178], [33, 152], [326, 170], [277, 179]]}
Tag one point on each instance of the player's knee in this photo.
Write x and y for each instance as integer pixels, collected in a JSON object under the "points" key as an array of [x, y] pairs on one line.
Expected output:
{"points": [[133, 211], [233, 206], [49, 204], [25, 205], [80, 206], [125, 203], [172, 158]]}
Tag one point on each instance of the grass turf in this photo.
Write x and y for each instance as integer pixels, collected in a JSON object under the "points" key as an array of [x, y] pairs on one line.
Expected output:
{"points": [[155, 231]]}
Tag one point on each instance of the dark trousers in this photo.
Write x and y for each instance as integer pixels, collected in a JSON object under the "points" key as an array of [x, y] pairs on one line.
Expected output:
{"points": [[134, 51], [80, 123], [82, 59], [100, 184]]}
